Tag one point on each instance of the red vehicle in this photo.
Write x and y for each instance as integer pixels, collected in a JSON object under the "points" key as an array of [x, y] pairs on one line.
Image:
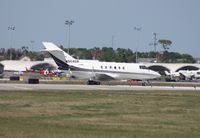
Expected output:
{"points": [[45, 72]]}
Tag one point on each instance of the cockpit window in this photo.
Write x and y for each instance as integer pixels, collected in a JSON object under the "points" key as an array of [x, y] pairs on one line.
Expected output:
{"points": [[143, 67]]}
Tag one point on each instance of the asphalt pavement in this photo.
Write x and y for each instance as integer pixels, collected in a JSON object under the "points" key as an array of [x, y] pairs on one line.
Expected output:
{"points": [[28, 87]]}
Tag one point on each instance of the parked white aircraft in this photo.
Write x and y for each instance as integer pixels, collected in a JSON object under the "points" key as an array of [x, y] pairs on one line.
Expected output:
{"points": [[190, 74], [96, 70], [184, 75]]}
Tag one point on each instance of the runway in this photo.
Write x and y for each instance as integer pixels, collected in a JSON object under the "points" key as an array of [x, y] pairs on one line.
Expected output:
{"points": [[30, 87]]}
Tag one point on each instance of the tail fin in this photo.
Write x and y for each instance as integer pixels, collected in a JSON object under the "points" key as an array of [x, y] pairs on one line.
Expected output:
{"points": [[59, 56], [52, 47]]}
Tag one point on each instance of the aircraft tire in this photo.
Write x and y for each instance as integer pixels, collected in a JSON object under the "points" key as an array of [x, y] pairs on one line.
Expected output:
{"points": [[93, 82]]}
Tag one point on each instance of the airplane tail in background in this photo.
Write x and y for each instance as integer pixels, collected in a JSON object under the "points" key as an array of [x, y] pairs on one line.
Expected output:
{"points": [[60, 57]]}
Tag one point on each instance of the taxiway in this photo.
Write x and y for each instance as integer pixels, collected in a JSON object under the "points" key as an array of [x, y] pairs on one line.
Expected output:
{"points": [[29, 87]]}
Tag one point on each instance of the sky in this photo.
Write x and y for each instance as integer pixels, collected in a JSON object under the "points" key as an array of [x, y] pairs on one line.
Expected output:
{"points": [[96, 22]]}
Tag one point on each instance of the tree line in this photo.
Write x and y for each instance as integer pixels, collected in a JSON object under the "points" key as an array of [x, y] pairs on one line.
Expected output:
{"points": [[102, 54]]}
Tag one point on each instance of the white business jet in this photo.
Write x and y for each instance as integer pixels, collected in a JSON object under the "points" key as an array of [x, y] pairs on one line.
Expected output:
{"points": [[190, 74], [184, 75], [94, 70]]}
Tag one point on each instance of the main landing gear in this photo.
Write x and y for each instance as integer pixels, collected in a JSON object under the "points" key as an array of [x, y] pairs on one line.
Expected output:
{"points": [[146, 83], [93, 82]]}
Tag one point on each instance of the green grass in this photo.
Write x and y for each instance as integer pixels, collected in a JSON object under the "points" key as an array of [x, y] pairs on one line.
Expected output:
{"points": [[100, 114]]}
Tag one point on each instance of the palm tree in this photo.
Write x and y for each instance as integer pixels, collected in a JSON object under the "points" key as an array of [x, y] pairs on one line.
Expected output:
{"points": [[25, 50]]}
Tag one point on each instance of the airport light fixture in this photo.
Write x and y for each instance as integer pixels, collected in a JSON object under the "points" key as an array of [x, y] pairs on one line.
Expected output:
{"points": [[69, 23], [11, 29], [138, 29]]}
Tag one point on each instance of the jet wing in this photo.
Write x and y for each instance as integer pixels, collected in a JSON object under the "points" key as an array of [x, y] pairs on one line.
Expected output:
{"points": [[105, 76]]}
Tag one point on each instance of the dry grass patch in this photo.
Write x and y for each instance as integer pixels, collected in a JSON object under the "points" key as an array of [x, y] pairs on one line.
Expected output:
{"points": [[106, 114]]}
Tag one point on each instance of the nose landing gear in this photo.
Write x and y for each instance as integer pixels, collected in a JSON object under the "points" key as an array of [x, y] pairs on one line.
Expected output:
{"points": [[93, 82]]}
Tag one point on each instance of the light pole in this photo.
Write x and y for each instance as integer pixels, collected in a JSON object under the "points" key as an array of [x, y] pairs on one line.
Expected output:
{"points": [[11, 28], [155, 41], [32, 43], [154, 44], [138, 29], [113, 37], [69, 23]]}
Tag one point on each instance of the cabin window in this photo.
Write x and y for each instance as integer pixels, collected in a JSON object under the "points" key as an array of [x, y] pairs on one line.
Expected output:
{"points": [[123, 68], [101, 67], [198, 73], [110, 67], [105, 67], [119, 67], [115, 67]]}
